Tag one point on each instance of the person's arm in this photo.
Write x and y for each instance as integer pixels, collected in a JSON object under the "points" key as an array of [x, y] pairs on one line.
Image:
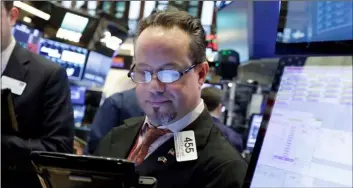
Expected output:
{"points": [[105, 119], [56, 130]]}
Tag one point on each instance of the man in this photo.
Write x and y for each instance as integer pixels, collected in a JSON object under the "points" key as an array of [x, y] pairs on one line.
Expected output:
{"points": [[170, 68], [42, 106], [114, 110], [212, 99]]}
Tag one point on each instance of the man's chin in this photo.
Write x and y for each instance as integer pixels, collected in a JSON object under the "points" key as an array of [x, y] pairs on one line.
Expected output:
{"points": [[161, 118]]}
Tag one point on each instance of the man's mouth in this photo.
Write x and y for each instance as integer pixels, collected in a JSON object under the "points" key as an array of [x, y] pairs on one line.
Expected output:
{"points": [[158, 102]]}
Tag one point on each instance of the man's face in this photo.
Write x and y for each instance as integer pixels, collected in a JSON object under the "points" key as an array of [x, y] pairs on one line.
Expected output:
{"points": [[8, 19], [157, 49]]}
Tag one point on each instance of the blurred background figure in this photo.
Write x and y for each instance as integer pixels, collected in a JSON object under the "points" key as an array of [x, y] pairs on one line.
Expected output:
{"points": [[212, 98], [112, 113]]}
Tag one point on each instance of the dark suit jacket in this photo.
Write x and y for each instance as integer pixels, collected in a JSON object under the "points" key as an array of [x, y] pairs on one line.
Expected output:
{"points": [[233, 137], [218, 165], [113, 112], [44, 114]]}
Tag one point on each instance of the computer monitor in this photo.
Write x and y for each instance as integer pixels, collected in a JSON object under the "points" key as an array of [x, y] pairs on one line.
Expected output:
{"points": [[78, 94], [79, 114], [26, 36], [315, 27], [254, 127], [97, 68], [71, 57], [308, 140]]}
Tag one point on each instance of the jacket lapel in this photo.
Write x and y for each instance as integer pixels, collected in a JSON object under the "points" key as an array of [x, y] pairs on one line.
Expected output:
{"points": [[164, 156], [125, 138], [17, 65]]}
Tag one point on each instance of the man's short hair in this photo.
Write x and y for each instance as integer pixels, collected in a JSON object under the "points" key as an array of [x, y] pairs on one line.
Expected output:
{"points": [[173, 17], [211, 97], [8, 5]]}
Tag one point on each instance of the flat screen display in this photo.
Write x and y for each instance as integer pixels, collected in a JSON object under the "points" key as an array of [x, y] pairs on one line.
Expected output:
{"points": [[26, 36], [308, 141], [233, 29], [97, 68], [317, 21], [71, 57], [254, 128], [315, 27], [79, 114], [78, 94], [74, 22]]}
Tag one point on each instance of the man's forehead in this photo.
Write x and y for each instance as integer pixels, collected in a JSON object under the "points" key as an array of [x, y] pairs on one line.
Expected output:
{"points": [[143, 65], [166, 38]]}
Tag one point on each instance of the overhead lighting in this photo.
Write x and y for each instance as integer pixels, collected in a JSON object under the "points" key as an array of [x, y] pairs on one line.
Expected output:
{"points": [[134, 11], [31, 10], [27, 19]]}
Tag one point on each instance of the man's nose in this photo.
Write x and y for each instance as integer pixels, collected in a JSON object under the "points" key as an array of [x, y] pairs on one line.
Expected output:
{"points": [[156, 86]]}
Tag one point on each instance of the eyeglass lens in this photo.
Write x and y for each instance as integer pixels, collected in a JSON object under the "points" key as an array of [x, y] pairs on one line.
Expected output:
{"points": [[165, 76]]}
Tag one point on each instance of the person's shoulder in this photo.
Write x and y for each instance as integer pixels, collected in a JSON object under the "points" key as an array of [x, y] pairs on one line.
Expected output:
{"points": [[221, 150], [220, 159], [40, 62], [122, 95], [218, 151]]}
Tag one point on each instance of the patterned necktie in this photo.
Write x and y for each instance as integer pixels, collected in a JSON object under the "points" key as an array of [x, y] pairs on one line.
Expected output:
{"points": [[140, 152]]}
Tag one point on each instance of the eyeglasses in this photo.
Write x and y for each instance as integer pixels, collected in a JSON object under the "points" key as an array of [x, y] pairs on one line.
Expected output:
{"points": [[164, 76]]}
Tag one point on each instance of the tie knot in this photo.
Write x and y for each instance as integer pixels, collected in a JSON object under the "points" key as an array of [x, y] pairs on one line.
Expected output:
{"points": [[153, 133]]}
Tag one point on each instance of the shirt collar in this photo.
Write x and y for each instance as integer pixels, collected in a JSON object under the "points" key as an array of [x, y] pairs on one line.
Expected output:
{"points": [[183, 122], [5, 55]]}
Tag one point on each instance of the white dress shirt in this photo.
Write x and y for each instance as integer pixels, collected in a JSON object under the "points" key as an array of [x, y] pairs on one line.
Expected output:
{"points": [[5, 55], [173, 127]]}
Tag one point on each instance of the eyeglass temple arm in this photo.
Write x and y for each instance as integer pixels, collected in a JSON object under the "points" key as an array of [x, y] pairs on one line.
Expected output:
{"points": [[132, 68]]}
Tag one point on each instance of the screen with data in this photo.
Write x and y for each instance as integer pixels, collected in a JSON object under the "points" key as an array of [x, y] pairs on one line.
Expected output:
{"points": [[97, 68], [254, 128], [315, 21], [71, 57], [308, 141], [78, 94], [26, 36]]}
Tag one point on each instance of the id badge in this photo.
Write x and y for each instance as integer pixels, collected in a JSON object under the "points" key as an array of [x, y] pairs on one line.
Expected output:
{"points": [[185, 146]]}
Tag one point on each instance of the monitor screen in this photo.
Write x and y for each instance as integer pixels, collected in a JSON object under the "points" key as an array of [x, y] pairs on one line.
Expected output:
{"points": [[79, 114], [122, 62], [317, 21], [254, 128], [26, 36], [309, 25], [233, 28], [78, 94], [308, 141], [97, 68], [71, 57], [73, 22]]}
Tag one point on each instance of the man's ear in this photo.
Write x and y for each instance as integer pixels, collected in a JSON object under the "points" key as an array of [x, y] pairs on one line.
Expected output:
{"points": [[219, 108], [13, 15], [202, 72]]}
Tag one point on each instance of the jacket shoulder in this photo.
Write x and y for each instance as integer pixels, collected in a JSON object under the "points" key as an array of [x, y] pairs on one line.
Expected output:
{"points": [[45, 65]]}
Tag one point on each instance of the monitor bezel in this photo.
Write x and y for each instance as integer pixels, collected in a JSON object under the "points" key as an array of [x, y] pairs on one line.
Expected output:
{"points": [[268, 112], [310, 48]]}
